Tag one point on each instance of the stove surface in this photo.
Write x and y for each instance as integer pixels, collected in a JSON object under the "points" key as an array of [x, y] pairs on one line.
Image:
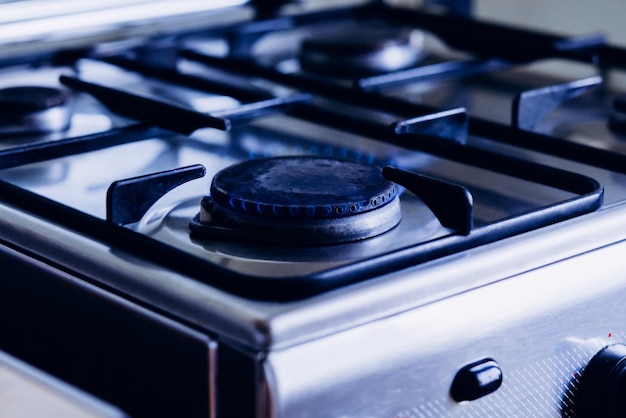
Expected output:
{"points": [[500, 149], [459, 188]]}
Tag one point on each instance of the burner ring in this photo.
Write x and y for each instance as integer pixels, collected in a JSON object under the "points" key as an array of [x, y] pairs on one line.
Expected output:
{"points": [[301, 187], [33, 110], [24, 99], [300, 200], [360, 51]]}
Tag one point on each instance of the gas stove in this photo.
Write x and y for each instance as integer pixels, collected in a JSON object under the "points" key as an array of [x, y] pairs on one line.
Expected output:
{"points": [[362, 209]]}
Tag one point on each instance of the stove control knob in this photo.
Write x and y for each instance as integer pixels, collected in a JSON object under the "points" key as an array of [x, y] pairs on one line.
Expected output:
{"points": [[602, 390], [476, 380]]}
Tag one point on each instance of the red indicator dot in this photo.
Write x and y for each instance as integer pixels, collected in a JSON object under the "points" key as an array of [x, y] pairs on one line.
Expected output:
{"points": [[576, 375], [610, 335]]}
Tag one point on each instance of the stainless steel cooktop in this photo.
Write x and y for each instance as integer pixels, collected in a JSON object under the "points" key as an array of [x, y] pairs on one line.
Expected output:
{"points": [[504, 147]]}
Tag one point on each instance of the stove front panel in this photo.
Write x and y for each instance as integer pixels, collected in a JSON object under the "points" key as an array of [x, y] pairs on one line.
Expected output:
{"points": [[540, 329]]}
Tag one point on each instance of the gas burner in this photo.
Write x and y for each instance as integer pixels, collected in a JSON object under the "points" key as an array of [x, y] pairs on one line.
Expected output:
{"points": [[299, 201], [353, 51], [33, 110]]}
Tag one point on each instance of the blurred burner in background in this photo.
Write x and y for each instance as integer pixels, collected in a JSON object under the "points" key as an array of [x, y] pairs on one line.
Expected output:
{"points": [[354, 50], [33, 110], [268, 8]]}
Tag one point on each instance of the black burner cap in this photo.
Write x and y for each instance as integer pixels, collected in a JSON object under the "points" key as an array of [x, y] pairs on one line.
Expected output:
{"points": [[25, 99], [301, 187]]}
